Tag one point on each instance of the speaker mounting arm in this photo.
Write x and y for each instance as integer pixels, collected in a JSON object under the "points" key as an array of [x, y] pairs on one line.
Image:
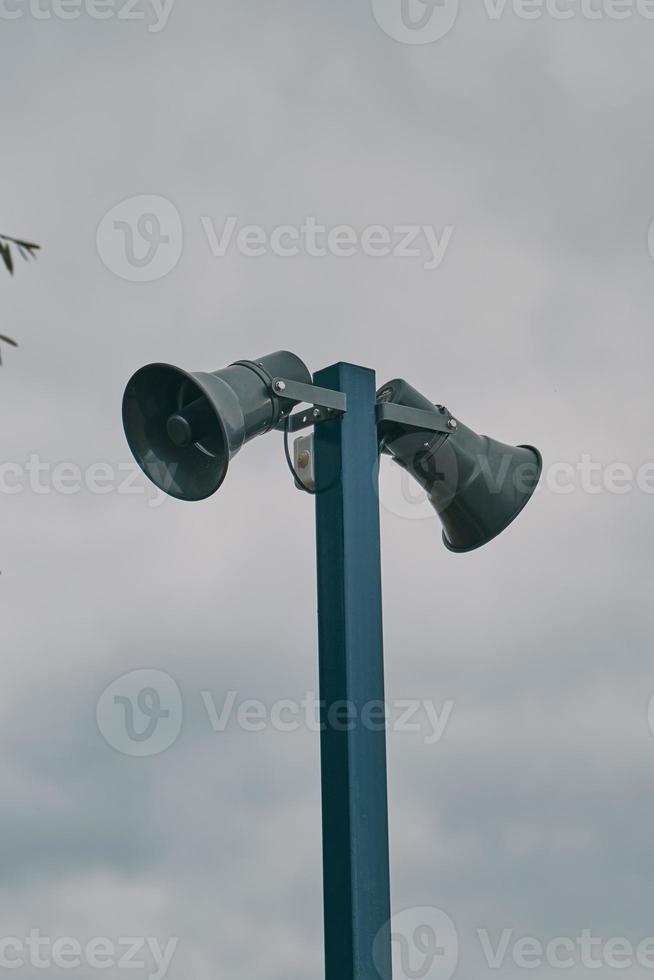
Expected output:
{"points": [[327, 404], [415, 417]]}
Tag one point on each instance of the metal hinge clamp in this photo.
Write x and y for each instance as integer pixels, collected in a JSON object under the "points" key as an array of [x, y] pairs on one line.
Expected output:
{"points": [[326, 404]]}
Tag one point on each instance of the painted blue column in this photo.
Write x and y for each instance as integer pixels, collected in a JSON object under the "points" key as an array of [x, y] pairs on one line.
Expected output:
{"points": [[353, 737]]}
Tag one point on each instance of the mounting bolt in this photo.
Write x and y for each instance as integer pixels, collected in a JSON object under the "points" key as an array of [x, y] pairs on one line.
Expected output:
{"points": [[316, 413], [280, 386], [304, 458], [452, 423]]}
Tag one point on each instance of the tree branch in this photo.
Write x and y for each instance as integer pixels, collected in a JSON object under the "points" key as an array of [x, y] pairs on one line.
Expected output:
{"points": [[26, 250]]}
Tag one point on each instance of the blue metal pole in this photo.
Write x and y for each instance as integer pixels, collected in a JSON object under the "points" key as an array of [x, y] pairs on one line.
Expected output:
{"points": [[353, 737]]}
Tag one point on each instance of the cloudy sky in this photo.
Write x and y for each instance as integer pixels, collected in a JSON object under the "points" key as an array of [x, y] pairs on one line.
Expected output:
{"points": [[519, 150]]}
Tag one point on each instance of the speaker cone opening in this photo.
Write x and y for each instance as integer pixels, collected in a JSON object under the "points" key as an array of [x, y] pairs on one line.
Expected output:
{"points": [[465, 525], [175, 432]]}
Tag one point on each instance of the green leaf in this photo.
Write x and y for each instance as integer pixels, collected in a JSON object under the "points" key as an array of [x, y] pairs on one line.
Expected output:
{"points": [[7, 340], [5, 252]]}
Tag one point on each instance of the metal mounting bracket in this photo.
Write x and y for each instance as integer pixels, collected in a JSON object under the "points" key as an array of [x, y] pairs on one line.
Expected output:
{"points": [[327, 404], [415, 417]]}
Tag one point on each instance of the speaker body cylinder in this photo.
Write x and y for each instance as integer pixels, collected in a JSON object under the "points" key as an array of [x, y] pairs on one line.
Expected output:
{"points": [[250, 382]]}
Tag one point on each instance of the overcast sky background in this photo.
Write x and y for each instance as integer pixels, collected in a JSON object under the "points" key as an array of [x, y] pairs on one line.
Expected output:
{"points": [[533, 139]]}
